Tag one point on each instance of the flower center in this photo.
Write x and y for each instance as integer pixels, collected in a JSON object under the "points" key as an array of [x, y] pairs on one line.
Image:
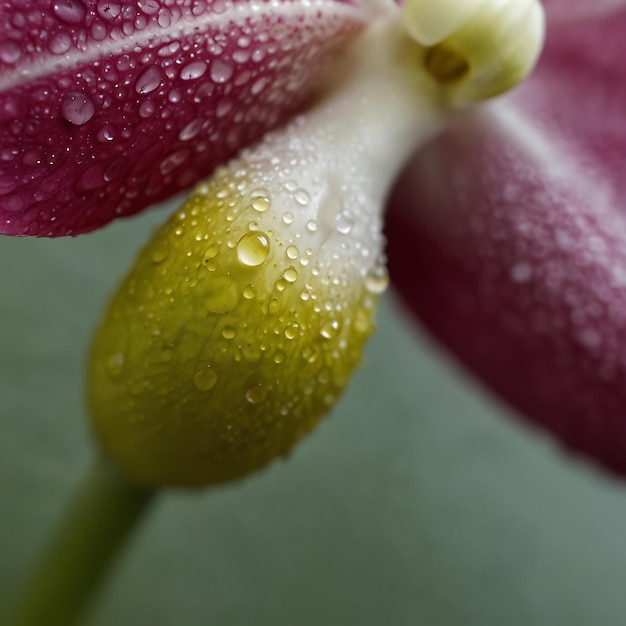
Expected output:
{"points": [[477, 49]]}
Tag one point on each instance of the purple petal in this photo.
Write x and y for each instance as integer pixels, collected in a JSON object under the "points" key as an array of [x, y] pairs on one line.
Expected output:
{"points": [[107, 107], [508, 241], [580, 10]]}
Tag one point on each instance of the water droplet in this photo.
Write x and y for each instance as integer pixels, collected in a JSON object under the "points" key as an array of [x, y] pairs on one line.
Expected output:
{"points": [[106, 133], [205, 378], [147, 108], [191, 130], [259, 85], [261, 204], [253, 248], [311, 226], [274, 306], [344, 223], [77, 108], [115, 363], [249, 292], [69, 11], [291, 332], [305, 295], [330, 329], [60, 43], [377, 279], [290, 275], [228, 332], [279, 357], [148, 80], [10, 51], [292, 252], [302, 197], [160, 251], [288, 218], [211, 252], [109, 10], [310, 353], [193, 70], [220, 71], [256, 394]]}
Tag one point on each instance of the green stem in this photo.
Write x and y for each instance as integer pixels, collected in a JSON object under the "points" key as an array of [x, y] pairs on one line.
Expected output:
{"points": [[106, 509]]}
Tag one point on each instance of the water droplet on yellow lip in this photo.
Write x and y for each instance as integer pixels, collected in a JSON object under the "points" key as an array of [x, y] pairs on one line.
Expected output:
{"points": [[256, 394], [290, 275], [205, 379], [330, 329], [249, 292], [253, 248], [228, 332], [261, 204]]}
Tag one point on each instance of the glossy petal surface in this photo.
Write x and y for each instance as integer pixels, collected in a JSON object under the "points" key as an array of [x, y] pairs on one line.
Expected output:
{"points": [[508, 240], [107, 107]]}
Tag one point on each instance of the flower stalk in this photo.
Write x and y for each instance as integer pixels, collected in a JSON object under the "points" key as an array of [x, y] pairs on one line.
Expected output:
{"points": [[103, 515]]}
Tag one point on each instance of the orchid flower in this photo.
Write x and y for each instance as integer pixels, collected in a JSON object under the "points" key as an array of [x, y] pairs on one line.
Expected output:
{"points": [[242, 319]]}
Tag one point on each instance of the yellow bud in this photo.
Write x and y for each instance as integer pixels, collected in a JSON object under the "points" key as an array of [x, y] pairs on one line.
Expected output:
{"points": [[233, 334], [477, 49]]}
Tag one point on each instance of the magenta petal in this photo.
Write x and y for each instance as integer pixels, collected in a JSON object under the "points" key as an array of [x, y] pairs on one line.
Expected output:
{"points": [[580, 10], [508, 241], [107, 107]]}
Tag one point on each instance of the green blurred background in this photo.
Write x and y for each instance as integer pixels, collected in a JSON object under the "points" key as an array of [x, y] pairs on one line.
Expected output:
{"points": [[418, 502]]}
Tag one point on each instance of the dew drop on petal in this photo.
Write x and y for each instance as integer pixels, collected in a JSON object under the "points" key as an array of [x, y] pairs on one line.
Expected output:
{"points": [[291, 332], [249, 292], [59, 43], [205, 378], [253, 248], [290, 275], [330, 329], [261, 204], [148, 80], [302, 197], [191, 130], [344, 223], [221, 71], [106, 133], [10, 51], [69, 11], [229, 332], [377, 279], [77, 108], [256, 394], [193, 70]]}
